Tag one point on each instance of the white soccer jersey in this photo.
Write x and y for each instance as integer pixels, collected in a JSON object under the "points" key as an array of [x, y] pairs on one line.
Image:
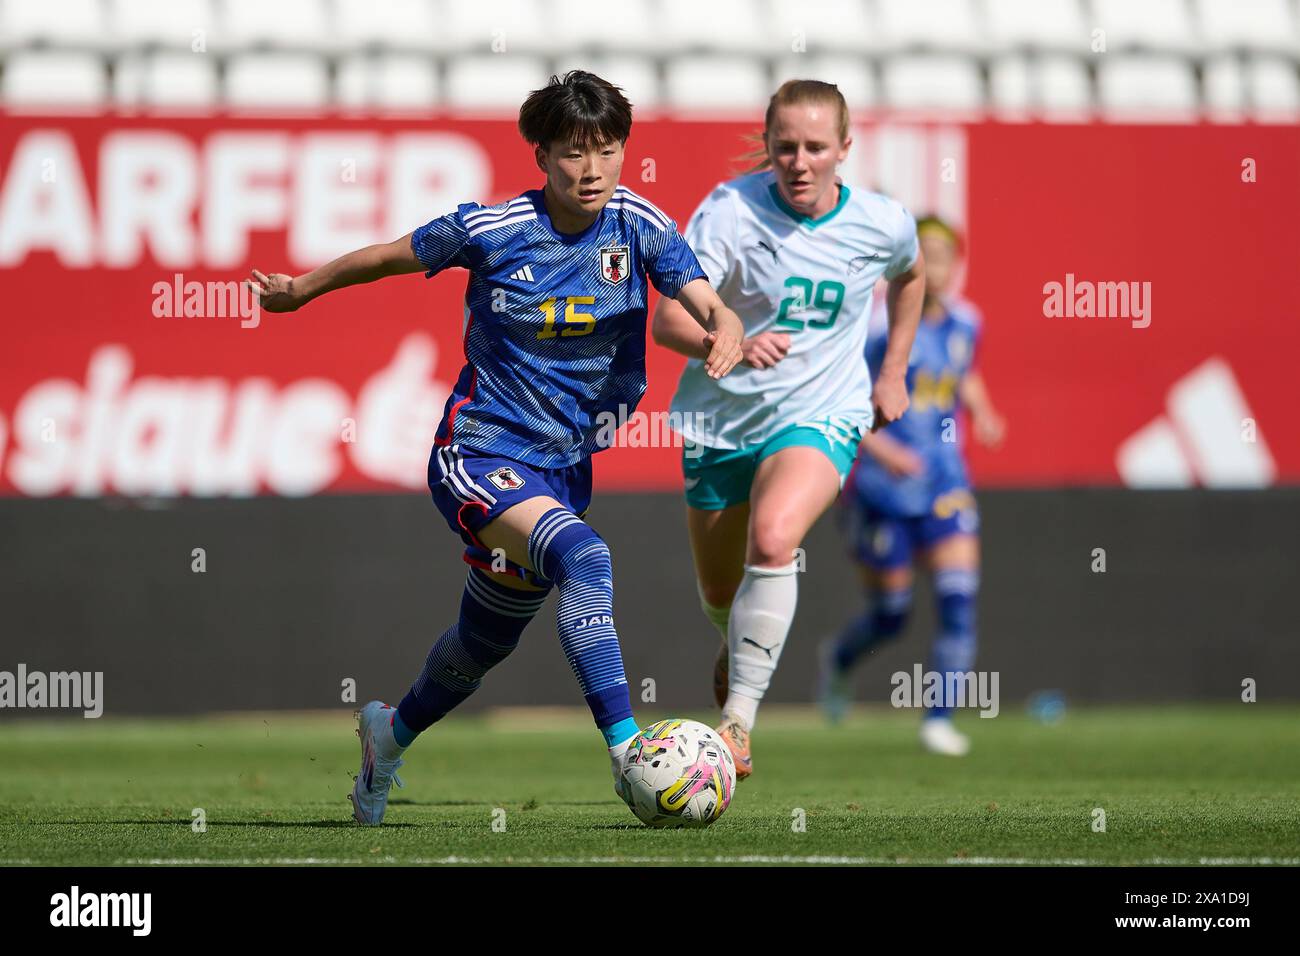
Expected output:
{"points": [[783, 271]]}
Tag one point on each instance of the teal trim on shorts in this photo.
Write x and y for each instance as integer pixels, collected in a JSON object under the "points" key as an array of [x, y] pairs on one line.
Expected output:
{"points": [[718, 478]]}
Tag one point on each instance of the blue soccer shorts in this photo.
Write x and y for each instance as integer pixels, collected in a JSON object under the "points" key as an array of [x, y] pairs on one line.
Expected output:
{"points": [[884, 541], [473, 488]]}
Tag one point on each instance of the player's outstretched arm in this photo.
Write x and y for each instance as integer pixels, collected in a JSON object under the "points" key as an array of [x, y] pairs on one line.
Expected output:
{"points": [[673, 328], [278, 292], [677, 326], [899, 460], [904, 299], [990, 427]]}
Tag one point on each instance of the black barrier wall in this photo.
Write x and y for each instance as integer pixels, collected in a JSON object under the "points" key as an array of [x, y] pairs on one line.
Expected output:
{"points": [[1198, 593]]}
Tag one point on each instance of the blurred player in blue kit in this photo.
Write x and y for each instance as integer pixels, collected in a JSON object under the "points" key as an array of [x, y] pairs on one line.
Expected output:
{"points": [[909, 498], [554, 338]]}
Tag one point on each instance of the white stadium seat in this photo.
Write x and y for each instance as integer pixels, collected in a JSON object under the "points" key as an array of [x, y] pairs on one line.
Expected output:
{"points": [[59, 81], [293, 25], [174, 24], [493, 82], [69, 23], [1011, 89], [735, 85], [1274, 89], [1266, 25], [1152, 25], [947, 25], [1224, 89], [735, 26], [637, 76], [392, 24], [825, 25], [472, 27], [1136, 88], [1164, 60], [1065, 89], [1055, 88], [1037, 24], [853, 75], [166, 81], [390, 81], [933, 82], [636, 28], [276, 81]]}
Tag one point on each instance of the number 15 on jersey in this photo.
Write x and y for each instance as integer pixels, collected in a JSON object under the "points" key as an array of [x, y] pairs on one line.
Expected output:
{"points": [[572, 321]]}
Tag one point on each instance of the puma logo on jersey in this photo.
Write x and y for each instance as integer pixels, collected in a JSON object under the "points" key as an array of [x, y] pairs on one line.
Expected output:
{"points": [[861, 262], [524, 275], [594, 621], [764, 246]]}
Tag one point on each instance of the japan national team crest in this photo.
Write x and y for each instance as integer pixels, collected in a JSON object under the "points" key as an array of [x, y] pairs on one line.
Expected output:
{"points": [[613, 263], [505, 479]]}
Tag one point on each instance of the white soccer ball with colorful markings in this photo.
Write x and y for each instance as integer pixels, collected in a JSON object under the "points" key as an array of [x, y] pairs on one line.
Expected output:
{"points": [[678, 773]]}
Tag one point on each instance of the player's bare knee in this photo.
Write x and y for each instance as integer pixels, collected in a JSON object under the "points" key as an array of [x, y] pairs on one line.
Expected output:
{"points": [[957, 552], [771, 545], [889, 579]]}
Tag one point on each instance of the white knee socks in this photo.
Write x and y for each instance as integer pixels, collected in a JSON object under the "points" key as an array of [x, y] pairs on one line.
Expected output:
{"points": [[760, 620]]}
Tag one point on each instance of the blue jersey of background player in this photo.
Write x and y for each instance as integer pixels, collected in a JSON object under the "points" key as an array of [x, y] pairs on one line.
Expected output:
{"points": [[941, 357], [909, 497], [554, 330]]}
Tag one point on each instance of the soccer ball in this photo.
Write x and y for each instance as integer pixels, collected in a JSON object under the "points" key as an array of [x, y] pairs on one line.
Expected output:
{"points": [[678, 773]]}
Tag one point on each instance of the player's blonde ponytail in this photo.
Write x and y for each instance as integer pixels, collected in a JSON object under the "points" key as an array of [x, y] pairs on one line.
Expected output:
{"points": [[794, 93]]}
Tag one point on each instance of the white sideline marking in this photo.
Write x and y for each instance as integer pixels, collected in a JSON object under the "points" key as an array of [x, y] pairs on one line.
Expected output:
{"points": [[756, 858]]}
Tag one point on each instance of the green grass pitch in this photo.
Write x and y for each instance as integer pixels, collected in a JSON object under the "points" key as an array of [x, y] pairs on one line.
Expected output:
{"points": [[1178, 785]]}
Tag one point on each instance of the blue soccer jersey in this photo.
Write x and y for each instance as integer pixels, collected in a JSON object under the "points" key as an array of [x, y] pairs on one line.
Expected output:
{"points": [[942, 353], [554, 325]]}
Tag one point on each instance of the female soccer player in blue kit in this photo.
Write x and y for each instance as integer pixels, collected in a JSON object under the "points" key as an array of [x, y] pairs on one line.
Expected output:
{"points": [[554, 341], [909, 496]]}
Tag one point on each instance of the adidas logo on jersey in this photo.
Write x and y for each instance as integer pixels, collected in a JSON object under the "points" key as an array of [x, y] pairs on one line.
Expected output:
{"points": [[524, 275]]}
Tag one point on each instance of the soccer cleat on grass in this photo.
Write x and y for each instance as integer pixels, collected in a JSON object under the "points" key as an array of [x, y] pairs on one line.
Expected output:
{"points": [[620, 785], [721, 676], [736, 737], [369, 794], [939, 736], [834, 691]]}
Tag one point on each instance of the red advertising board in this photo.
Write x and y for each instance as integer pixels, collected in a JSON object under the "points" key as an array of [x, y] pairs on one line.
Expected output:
{"points": [[1137, 285]]}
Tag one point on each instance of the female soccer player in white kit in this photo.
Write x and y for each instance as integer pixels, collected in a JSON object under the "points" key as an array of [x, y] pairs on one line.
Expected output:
{"points": [[796, 254]]}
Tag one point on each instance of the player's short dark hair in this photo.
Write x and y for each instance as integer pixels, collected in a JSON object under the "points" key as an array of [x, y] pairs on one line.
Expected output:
{"points": [[581, 109]]}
